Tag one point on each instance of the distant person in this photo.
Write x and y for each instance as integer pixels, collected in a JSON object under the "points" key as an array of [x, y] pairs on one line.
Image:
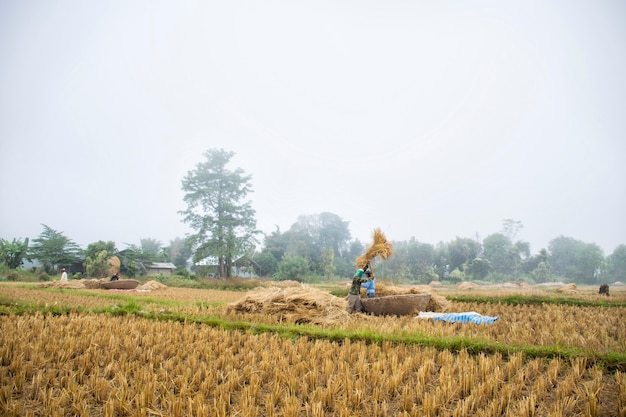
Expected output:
{"points": [[63, 275], [370, 286], [115, 277], [604, 289]]}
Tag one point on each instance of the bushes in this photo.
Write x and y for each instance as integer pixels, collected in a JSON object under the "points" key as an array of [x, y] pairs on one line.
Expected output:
{"points": [[12, 276]]}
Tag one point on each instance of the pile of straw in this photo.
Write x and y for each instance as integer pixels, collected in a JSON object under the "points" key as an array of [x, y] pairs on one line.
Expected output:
{"points": [[153, 285], [293, 305], [380, 247], [71, 284], [465, 285], [568, 288]]}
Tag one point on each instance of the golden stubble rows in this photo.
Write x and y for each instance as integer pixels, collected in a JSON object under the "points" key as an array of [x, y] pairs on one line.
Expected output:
{"points": [[591, 329], [88, 365]]}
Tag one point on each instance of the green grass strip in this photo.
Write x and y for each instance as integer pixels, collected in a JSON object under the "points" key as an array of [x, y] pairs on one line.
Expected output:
{"points": [[533, 299], [611, 361]]}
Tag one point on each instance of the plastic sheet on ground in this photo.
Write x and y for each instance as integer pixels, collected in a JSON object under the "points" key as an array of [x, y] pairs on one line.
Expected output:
{"points": [[465, 317]]}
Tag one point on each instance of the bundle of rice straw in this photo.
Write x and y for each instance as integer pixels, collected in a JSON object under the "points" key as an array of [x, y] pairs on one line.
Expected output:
{"points": [[293, 305], [380, 247], [114, 265], [153, 285], [568, 288], [465, 285]]}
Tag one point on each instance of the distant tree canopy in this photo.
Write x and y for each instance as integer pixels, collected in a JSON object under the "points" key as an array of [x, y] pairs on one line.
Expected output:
{"points": [[318, 246], [97, 256], [579, 261], [54, 250], [223, 221], [321, 240], [616, 265], [12, 254], [179, 252]]}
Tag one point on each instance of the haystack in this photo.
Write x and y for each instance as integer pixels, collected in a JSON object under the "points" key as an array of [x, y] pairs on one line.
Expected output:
{"points": [[568, 288], [379, 247], [466, 286], [293, 305], [283, 284], [153, 285], [93, 283], [71, 284]]}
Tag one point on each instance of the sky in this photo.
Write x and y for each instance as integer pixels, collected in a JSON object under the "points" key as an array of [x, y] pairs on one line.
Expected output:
{"points": [[428, 119]]}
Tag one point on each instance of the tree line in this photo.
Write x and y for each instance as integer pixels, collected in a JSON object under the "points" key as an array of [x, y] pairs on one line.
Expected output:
{"points": [[225, 243]]}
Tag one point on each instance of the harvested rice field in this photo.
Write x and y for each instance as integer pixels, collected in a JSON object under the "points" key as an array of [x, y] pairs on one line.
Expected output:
{"points": [[293, 351]]}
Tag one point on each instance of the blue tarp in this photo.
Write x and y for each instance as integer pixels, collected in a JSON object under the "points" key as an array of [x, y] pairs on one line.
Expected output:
{"points": [[465, 317]]}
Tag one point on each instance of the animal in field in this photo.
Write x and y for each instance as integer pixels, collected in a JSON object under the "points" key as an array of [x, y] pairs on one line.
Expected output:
{"points": [[604, 289]]}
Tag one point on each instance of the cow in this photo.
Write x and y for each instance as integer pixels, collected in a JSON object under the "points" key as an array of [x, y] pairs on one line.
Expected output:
{"points": [[604, 289]]}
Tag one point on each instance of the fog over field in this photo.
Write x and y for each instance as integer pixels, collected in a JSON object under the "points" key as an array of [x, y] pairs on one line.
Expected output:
{"points": [[427, 119]]}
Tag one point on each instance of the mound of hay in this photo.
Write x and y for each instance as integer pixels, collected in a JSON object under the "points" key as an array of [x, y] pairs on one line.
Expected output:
{"points": [[618, 284], [568, 288], [93, 284], [380, 247], [284, 284], [466, 286], [71, 284], [152, 285], [438, 303], [294, 305], [435, 284]]}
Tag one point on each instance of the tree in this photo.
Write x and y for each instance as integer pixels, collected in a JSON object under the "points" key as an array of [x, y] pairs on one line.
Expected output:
{"points": [[292, 268], [497, 250], [52, 249], [511, 227], [461, 252], [224, 224], [13, 253], [98, 265], [616, 264], [152, 249], [326, 230], [319, 231], [179, 252], [93, 249], [328, 262], [576, 260], [265, 264], [479, 268]]}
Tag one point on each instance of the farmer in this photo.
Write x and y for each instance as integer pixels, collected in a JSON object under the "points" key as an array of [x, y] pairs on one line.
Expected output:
{"points": [[115, 277], [370, 286], [604, 289], [63, 275], [354, 298]]}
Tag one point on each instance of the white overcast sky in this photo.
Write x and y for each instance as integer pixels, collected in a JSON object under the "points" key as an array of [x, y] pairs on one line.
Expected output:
{"points": [[428, 119]]}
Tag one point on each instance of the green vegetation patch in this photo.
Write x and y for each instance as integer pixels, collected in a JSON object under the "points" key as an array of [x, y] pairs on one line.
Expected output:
{"points": [[533, 299]]}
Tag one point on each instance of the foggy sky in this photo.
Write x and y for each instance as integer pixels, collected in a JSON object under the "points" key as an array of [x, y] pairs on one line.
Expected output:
{"points": [[428, 119]]}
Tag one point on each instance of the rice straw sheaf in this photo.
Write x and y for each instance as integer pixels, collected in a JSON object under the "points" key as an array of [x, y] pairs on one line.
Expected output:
{"points": [[380, 247], [114, 265], [293, 305]]}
